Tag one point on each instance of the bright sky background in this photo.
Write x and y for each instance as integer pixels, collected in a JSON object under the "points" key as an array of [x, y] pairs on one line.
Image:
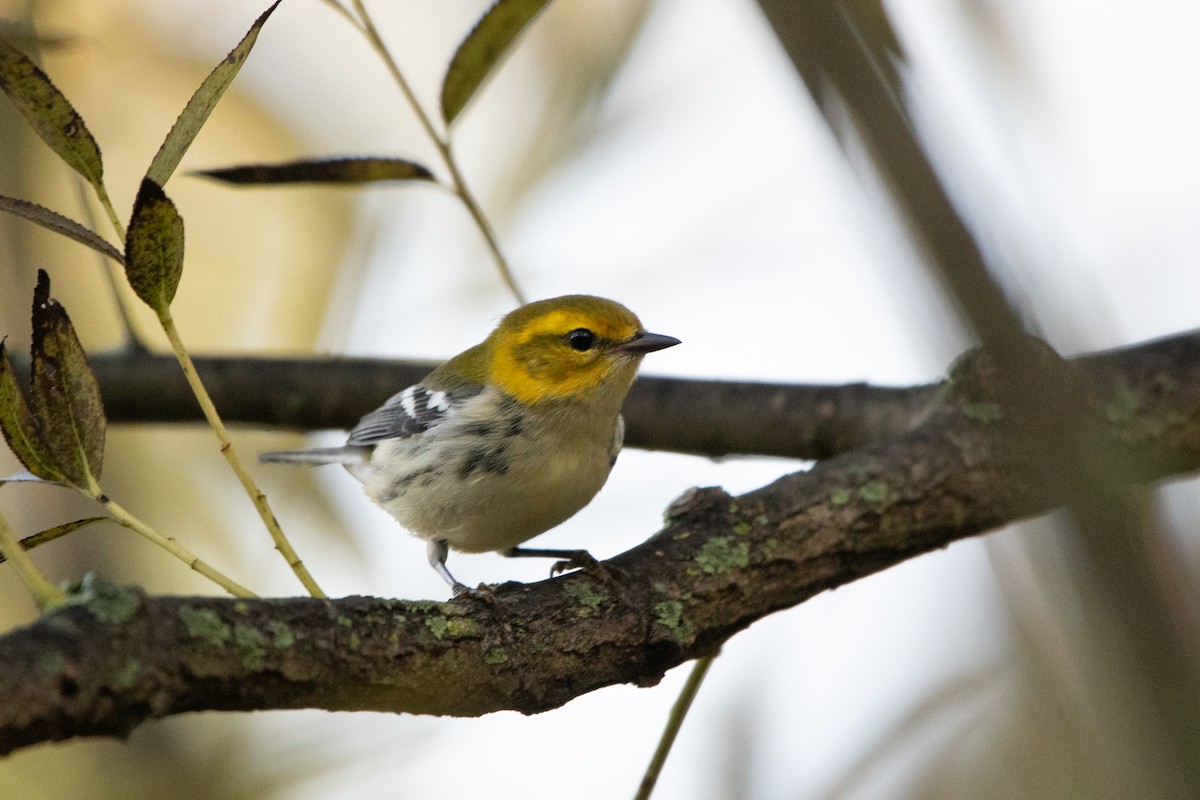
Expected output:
{"points": [[716, 205]]}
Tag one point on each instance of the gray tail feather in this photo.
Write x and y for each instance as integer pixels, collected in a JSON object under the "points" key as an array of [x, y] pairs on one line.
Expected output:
{"points": [[318, 455]]}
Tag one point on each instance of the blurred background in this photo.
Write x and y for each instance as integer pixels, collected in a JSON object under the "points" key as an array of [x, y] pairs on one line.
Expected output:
{"points": [[665, 154]]}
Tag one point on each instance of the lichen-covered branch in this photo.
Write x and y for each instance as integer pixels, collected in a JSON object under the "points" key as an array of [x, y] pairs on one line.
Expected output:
{"points": [[116, 657]]}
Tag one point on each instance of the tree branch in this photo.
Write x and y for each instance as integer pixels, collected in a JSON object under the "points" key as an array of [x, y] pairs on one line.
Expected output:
{"points": [[703, 417], [712, 418], [116, 658]]}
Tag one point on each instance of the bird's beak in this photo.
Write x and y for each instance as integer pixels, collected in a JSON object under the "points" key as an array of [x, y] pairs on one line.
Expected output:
{"points": [[641, 343]]}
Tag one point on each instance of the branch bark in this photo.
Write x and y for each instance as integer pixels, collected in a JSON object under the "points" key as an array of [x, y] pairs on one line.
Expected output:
{"points": [[115, 657], [713, 418]]}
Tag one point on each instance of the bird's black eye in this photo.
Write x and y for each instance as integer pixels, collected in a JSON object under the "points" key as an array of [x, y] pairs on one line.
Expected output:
{"points": [[581, 339]]}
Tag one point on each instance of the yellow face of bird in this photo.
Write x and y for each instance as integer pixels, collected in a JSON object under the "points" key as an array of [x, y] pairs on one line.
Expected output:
{"points": [[565, 347]]}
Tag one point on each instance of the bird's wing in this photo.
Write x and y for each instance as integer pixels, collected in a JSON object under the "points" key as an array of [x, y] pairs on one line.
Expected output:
{"points": [[415, 410]]}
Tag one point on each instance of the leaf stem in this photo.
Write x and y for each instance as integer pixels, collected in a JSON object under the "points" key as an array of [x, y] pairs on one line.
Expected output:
{"points": [[106, 204], [168, 543], [44, 593], [674, 722], [255, 494], [124, 309], [458, 184]]}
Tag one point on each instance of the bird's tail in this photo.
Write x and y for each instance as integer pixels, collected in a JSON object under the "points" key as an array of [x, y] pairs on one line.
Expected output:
{"points": [[347, 456]]}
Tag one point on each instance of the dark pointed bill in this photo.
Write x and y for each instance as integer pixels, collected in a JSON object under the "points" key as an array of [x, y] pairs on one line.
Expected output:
{"points": [[644, 342]]}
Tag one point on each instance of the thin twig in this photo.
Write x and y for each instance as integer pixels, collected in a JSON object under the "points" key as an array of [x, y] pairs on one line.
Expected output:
{"points": [[458, 184], [674, 723], [44, 593], [168, 543], [256, 495]]}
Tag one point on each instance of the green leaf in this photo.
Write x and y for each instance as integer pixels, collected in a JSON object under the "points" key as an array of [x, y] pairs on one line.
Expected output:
{"points": [[483, 48], [56, 222], [63, 393], [196, 112], [50, 114], [154, 247], [19, 427], [50, 534], [333, 170]]}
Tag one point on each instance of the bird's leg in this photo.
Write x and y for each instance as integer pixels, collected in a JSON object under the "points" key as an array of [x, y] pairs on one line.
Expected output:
{"points": [[568, 559], [436, 550]]}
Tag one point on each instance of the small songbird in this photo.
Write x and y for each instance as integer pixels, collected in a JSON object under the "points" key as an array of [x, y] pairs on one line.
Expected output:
{"points": [[507, 439]]}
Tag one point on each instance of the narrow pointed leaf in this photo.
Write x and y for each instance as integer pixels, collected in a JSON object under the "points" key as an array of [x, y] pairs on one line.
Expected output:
{"points": [[63, 394], [50, 113], [52, 220], [19, 427], [154, 247], [333, 170], [58, 531], [196, 112], [25, 476], [482, 50]]}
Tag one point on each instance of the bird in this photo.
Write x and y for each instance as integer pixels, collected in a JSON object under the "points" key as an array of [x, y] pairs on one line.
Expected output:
{"points": [[506, 440]]}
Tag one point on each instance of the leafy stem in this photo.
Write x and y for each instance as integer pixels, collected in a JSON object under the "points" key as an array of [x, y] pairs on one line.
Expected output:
{"points": [[235, 463], [458, 185], [45, 594], [168, 543]]}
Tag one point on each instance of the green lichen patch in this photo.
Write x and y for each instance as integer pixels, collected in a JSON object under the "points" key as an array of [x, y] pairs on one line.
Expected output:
{"points": [[586, 596], [981, 411], [253, 644], [462, 627], [669, 614], [721, 554], [1123, 406], [127, 674], [108, 603], [344, 621], [876, 493], [495, 657], [204, 624], [1128, 411], [282, 636], [840, 497], [742, 528], [437, 625]]}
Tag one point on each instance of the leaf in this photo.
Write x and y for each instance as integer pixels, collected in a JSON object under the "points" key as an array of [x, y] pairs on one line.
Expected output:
{"points": [[50, 114], [196, 112], [483, 48], [56, 222], [63, 393], [50, 534], [333, 170], [25, 476], [154, 247], [19, 427]]}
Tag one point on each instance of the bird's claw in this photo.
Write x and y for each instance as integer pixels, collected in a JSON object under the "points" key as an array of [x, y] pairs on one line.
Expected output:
{"points": [[481, 592], [580, 559]]}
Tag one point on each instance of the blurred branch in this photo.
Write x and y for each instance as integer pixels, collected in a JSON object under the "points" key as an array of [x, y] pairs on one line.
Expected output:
{"points": [[1143, 656], [712, 418], [117, 657]]}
